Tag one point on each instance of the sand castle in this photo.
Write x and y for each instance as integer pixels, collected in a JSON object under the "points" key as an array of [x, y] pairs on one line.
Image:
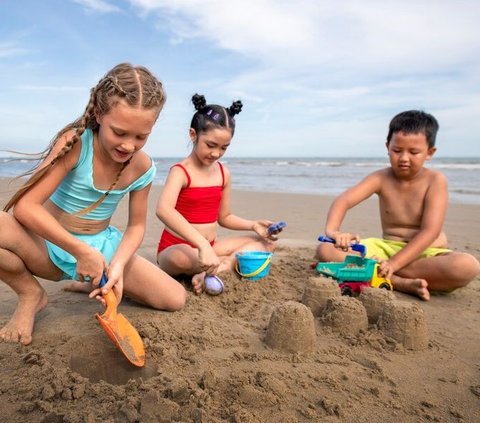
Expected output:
{"points": [[292, 326]]}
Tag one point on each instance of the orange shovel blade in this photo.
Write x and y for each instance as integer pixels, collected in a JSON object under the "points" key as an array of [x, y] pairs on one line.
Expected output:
{"points": [[121, 332]]}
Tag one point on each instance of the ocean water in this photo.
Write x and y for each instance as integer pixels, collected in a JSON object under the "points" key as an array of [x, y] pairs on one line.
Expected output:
{"points": [[315, 175]]}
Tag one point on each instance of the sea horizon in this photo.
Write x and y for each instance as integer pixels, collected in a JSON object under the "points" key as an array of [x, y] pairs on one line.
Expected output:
{"points": [[307, 175]]}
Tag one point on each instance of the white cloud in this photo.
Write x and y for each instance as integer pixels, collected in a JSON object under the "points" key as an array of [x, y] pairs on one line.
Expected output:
{"points": [[98, 6], [375, 35]]}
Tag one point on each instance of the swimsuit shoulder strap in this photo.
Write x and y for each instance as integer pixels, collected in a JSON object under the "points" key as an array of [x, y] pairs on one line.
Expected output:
{"points": [[223, 174], [189, 180]]}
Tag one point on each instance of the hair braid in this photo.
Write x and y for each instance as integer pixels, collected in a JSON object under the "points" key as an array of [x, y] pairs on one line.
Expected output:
{"points": [[94, 205]]}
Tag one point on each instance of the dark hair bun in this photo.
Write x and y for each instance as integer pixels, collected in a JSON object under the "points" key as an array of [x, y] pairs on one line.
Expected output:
{"points": [[235, 108], [199, 102]]}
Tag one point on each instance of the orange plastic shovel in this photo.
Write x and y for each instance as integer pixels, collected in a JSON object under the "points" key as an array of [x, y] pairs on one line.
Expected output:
{"points": [[120, 330]]}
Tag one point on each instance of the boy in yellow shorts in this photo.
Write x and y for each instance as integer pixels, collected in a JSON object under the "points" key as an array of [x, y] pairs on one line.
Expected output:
{"points": [[413, 201]]}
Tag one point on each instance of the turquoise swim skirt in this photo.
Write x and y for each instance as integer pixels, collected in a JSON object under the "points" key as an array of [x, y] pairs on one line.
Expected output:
{"points": [[106, 242]]}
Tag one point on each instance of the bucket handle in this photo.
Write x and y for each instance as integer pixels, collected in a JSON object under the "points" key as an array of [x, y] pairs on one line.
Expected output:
{"points": [[256, 272]]}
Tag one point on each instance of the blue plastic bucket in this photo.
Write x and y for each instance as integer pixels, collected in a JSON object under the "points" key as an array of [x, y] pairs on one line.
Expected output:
{"points": [[253, 265]]}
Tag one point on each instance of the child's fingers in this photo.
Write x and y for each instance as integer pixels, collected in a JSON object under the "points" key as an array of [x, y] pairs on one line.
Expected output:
{"points": [[356, 238], [95, 293], [101, 299], [385, 270], [212, 270], [118, 293]]}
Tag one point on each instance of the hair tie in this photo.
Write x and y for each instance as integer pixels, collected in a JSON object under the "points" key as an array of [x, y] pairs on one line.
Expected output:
{"points": [[213, 115]]}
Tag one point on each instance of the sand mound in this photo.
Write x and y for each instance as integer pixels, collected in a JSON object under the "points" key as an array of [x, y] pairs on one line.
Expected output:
{"points": [[317, 291], [291, 328], [375, 301], [405, 322], [345, 315]]}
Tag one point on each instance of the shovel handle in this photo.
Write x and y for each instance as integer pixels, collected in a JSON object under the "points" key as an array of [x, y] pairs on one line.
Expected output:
{"points": [[360, 248], [110, 299]]}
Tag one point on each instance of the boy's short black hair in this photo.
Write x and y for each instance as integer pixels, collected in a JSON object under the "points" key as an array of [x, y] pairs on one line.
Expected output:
{"points": [[414, 122]]}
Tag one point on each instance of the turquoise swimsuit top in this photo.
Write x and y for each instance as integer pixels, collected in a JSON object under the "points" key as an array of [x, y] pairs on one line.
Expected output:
{"points": [[77, 191]]}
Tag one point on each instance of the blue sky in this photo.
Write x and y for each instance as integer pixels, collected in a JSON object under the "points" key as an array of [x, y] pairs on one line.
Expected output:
{"points": [[317, 78]]}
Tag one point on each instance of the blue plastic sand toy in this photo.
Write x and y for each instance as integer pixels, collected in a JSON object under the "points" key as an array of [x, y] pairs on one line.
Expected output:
{"points": [[275, 228], [359, 248]]}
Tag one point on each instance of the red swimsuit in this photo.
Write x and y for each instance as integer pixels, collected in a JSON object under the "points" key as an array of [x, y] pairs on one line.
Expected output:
{"points": [[196, 205]]}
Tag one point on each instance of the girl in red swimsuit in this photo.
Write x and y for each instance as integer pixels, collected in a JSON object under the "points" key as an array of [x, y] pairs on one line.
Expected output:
{"points": [[196, 199]]}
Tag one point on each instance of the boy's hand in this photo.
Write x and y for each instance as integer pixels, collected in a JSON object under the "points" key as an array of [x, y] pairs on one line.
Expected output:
{"points": [[344, 239], [385, 269]]}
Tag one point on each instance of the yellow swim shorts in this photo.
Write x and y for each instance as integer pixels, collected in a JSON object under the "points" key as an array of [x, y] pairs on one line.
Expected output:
{"points": [[385, 248]]}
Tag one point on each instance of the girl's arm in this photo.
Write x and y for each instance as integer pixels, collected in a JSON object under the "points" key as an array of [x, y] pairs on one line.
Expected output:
{"points": [[31, 213], [131, 241], [231, 221]]}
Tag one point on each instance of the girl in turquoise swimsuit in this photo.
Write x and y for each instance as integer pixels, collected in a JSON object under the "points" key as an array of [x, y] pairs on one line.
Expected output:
{"points": [[60, 226]]}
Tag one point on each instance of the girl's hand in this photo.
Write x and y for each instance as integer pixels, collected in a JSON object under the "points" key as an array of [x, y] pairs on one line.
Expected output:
{"points": [[260, 227], [90, 266], [208, 260], [114, 275]]}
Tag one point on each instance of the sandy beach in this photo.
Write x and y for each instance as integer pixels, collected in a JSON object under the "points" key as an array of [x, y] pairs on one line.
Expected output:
{"points": [[213, 361]]}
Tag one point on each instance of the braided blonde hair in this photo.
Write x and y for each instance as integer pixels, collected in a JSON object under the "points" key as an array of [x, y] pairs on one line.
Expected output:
{"points": [[136, 85]]}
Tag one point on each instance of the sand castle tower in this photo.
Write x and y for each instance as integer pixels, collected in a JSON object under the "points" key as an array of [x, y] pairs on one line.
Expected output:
{"points": [[291, 328], [345, 315], [405, 323], [317, 291]]}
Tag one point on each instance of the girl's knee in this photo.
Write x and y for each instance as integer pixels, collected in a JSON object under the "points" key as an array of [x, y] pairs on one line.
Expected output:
{"points": [[175, 259], [175, 302], [179, 301]]}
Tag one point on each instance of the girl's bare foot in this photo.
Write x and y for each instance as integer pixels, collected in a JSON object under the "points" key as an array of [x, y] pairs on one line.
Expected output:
{"points": [[418, 287], [20, 326], [198, 283], [84, 287]]}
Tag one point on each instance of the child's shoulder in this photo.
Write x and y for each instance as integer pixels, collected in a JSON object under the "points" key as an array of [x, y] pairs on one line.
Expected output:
{"points": [[141, 162], [224, 168], [435, 177], [378, 176], [62, 144], [433, 173], [426, 179], [430, 176]]}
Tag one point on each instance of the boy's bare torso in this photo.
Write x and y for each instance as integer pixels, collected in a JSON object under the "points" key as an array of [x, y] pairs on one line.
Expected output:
{"points": [[402, 205]]}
